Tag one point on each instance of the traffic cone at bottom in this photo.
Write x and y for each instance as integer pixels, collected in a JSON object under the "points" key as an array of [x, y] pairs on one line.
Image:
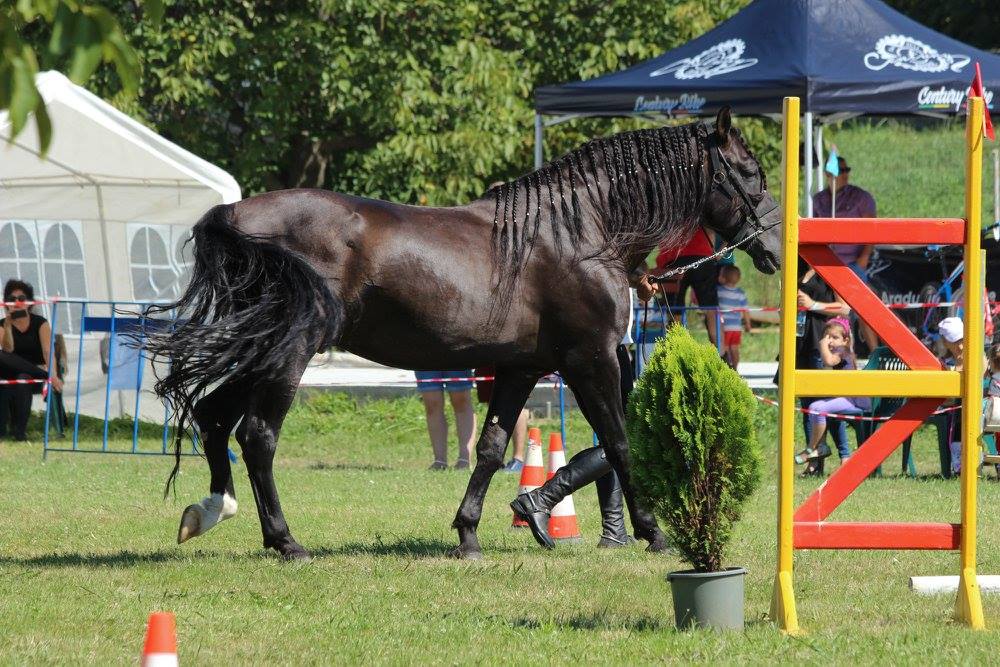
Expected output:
{"points": [[562, 520], [160, 649], [533, 472]]}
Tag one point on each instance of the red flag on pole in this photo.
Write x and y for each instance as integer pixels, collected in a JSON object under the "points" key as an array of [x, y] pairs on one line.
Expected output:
{"points": [[976, 90]]}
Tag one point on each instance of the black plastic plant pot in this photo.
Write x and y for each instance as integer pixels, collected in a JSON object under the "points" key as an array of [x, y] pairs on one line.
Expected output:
{"points": [[708, 599]]}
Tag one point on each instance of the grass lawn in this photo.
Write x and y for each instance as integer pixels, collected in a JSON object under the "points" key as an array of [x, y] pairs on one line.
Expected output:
{"points": [[88, 551]]}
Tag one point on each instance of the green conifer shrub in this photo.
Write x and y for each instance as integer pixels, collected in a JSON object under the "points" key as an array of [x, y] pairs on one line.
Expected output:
{"points": [[696, 457]]}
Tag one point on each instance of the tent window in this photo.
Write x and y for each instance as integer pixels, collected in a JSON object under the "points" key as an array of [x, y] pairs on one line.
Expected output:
{"points": [[183, 257], [153, 278], [62, 262], [19, 255]]}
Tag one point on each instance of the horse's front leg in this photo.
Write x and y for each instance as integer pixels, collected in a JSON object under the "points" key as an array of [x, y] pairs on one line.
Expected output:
{"points": [[595, 379], [509, 395]]}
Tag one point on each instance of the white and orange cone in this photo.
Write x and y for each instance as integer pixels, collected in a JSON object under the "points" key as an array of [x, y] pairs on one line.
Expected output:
{"points": [[533, 472], [562, 520], [160, 649]]}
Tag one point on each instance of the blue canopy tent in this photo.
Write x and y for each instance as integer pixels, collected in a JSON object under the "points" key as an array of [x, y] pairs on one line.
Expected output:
{"points": [[842, 57]]}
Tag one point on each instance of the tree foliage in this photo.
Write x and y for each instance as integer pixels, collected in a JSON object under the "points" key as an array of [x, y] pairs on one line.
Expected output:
{"points": [[975, 22], [78, 37], [696, 458], [418, 102]]}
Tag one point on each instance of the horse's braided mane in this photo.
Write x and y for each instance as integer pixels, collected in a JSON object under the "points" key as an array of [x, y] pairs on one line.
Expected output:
{"points": [[643, 187]]}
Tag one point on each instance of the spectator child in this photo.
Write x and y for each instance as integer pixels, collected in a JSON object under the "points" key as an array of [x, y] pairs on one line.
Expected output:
{"points": [[817, 303], [733, 323], [837, 353], [952, 332]]}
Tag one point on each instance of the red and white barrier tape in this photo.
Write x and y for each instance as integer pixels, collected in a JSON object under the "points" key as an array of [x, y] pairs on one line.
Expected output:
{"points": [[857, 418], [776, 309], [484, 378], [465, 379], [45, 384], [39, 302]]}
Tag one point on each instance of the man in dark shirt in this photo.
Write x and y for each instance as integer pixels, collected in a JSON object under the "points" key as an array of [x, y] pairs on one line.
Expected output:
{"points": [[851, 202]]}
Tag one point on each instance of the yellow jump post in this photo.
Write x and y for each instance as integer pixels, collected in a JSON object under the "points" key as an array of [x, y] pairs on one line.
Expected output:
{"points": [[925, 385], [968, 605], [783, 601]]}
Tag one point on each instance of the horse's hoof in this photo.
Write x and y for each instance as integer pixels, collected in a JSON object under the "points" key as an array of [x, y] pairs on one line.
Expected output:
{"points": [[292, 551], [614, 543], [465, 553], [190, 524], [659, 545], [199, 518]]}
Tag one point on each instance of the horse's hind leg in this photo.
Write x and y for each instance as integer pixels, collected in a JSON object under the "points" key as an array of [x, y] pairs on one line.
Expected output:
{"points": [[215, 415], [509, 395], [258, 436]]}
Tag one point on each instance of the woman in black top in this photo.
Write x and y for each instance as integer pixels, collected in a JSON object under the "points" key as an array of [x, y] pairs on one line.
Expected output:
{"points": [[24, 339], [820, 303]]}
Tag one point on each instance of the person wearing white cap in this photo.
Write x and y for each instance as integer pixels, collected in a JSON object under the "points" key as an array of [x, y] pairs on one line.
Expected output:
{"points": [[952, 331]]}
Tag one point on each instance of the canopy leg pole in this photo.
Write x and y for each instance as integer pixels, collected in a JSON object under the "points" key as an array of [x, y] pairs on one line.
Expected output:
{"points": [[821, 172], [809, 162], [105, 241], [539, 138], [996, 185]]}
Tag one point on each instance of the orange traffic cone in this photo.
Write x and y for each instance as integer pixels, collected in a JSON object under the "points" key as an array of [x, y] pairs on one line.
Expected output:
{"points": [[160, 649], [533, 472], [562, 521]]}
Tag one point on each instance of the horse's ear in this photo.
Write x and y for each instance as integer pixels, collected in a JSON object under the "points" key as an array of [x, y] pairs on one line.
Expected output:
{"points": [[723, 123]]}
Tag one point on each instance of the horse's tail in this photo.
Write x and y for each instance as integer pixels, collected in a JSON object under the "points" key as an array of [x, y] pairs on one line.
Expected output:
{"points": [[250, 304]]}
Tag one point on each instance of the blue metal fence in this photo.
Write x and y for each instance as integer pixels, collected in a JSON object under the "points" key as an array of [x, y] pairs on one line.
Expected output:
{"points": [[129, 318], [123, 318]]}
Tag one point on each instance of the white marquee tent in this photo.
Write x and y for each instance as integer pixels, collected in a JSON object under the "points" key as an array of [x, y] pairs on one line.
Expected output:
{"points": [[105, 213]]}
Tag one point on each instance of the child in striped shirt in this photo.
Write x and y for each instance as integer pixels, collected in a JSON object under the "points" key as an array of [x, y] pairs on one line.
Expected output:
{"points": [[733, 323]]}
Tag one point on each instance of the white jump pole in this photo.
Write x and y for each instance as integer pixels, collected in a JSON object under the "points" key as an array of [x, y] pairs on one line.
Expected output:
{"points": [[988, 583]]}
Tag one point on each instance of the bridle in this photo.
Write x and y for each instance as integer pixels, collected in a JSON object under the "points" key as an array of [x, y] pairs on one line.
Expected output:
{"points": [[753, 207]]}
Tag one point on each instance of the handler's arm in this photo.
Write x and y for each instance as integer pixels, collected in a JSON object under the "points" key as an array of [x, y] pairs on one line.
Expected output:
{"points": [[639, 279]]}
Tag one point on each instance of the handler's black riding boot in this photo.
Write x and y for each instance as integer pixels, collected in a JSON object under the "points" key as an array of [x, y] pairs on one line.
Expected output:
{"points": [[609, 496], [534, 507]]}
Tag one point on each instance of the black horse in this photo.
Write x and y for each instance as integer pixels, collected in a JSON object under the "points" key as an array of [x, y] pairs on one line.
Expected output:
{"points": [[531, 278]]}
